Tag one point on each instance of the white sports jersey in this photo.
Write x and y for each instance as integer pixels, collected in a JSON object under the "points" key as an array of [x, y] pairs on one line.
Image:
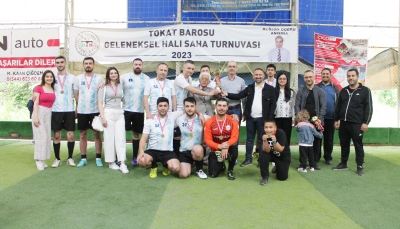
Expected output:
{"points": [[190, 138], [133, 88], [87, 101], [155, 90], [180, 83], [156, 128], [64, 101]]}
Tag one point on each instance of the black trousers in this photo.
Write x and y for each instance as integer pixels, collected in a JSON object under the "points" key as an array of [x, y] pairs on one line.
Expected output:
{"points": [[281, 164], [329, 133], [317, 149], [215, 167], [351, 131], [306, 152], [286, 125]]}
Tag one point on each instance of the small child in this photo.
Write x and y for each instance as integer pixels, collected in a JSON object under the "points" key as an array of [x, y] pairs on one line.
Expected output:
{"points": [[306, 132]]}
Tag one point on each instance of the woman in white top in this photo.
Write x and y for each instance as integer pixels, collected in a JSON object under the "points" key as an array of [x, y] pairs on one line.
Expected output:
{"points": [[284, 113], [112, 116]]}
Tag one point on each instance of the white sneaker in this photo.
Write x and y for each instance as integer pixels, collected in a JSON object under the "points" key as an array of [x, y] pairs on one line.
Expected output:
{"points": [[56, 163], [44, 164], [201, 174], [71, 162], [303, 170], [124, 169], [113, 166], [312, 169], [39, 165]]}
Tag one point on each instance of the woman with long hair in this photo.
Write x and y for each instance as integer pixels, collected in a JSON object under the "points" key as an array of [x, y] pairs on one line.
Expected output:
{"points": [[41, 118], [284, 113], [112, 116]]}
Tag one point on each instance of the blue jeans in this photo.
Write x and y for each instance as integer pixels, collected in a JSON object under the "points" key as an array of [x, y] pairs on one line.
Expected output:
{"points": [[253, 125], [238, 112]]}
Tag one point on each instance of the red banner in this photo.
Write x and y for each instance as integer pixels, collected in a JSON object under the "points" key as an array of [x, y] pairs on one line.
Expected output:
{"points": [[339, 55]]}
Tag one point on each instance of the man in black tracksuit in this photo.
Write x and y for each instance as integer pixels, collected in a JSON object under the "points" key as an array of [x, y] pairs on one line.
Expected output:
{"points": [[353, 113]]}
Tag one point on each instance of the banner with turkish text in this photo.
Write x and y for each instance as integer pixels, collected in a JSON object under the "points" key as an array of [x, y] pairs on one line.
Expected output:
{"points": [[339, 55], [26, 53], [235, 5], [277, 44]]}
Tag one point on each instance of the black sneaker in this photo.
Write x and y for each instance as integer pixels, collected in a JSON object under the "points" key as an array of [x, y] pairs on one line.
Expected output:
{"points": [[247, 162], [328, 162], [316, 167], [264, 181], [231, 175], [360, 170], [273, 170], [340, 166]]}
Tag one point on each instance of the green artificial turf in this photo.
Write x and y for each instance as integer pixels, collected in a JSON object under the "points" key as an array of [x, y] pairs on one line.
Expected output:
{"points": [[92, 197]]}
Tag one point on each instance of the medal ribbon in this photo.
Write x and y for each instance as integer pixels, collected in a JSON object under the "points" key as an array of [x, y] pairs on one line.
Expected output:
{"points": [[116, 89], [221, 129], [89, 83], [61, 82], [162, 87], [162, 126], [187, 121]]}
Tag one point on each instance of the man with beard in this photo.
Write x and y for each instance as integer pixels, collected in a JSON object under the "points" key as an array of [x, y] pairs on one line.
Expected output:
{"points": [[312, 99], [159, 130], [63, 111], [85, 92], [133, 84], [221, 132], [260, 106], [331, 94], [353, 113], [191, 148]]}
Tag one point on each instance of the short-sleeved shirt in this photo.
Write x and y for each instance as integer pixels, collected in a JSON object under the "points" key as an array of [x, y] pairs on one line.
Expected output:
{"points": [[155, 89], [133, 88], [113, 97], [45, 99], [191, 131], [180, 83], [282, 140], [157, 127], [64, 90], [233, 86], [87, 103]]}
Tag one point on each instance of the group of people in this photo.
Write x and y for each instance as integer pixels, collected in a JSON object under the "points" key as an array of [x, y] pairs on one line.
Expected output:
{"points": [[181, 128]]}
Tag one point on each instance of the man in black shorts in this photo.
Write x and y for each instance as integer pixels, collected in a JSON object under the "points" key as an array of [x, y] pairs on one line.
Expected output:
{"points": [[275, 149], [63, 111], [191, 149], [160, 132], [133, 84], [85, 92]]}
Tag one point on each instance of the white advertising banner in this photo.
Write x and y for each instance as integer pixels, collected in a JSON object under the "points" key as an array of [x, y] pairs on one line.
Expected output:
{"points": [[183, 42], [26, 53]]}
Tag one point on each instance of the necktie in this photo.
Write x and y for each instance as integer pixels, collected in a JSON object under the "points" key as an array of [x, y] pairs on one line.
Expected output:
{"points": [[279, 55]]}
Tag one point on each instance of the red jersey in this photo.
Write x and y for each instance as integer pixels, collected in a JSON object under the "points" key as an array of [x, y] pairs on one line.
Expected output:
{"points": [[217, 132]]}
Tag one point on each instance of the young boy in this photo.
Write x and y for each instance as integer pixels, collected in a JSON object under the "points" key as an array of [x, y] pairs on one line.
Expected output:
{"points": [[306, 132], [275, 149]]}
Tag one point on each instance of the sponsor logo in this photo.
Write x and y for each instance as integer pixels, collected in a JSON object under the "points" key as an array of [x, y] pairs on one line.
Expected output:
{"points": [[87, 43], [228, 127]]}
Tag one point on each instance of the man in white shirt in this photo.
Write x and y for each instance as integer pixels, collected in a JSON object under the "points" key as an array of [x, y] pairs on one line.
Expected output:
{"points": [[271, 71], [156, 88], [133, 84], [279, 54], [191, 148], [160, 131], [85, 92]]}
